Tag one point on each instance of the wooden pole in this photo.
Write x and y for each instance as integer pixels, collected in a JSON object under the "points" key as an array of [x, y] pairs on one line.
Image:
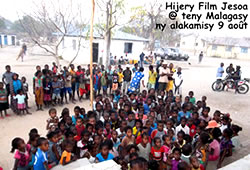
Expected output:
{"points": [[91, 53]]}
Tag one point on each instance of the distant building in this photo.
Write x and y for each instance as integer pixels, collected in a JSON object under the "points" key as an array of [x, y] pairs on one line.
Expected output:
{"points": [[121, 44], [192, 43], [227, 47], [7, 39]]}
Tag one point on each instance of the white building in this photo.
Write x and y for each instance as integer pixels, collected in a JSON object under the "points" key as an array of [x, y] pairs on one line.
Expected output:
{"points": [[193, 43], [121, 44], [7, 39]]}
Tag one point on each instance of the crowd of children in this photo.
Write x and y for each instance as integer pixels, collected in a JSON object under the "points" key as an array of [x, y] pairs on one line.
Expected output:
{"points": [[156, 128], [148, 130]]}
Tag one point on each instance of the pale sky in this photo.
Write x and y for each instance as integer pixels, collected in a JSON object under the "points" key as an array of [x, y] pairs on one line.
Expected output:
{"points": [[13, 9]]}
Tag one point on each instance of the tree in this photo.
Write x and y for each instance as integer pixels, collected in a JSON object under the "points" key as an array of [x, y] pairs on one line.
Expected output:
{"points": [[48, 26], [143, 24], [2, 24], [111, 10]]}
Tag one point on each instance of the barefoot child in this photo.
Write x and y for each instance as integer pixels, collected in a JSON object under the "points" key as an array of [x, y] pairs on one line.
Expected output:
{"points": [[38, 89], [4, 105], [21, 102], [25, 90]]}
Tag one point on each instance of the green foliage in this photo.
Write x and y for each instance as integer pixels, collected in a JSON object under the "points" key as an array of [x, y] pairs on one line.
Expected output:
{"points": [[143, 24], [2, 24]]}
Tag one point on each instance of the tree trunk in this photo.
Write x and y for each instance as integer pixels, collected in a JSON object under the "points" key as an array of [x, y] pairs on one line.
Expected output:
{"points": [[107, 51], [57, 59], [152, 41]]}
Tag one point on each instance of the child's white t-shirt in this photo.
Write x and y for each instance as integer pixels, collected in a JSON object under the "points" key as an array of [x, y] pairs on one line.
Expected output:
{"points": [[20, 99], [177, 78]]}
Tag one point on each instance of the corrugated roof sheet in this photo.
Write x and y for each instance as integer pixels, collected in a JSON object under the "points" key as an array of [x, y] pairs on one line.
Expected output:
{"points": [[117, 35], [228, 41]]}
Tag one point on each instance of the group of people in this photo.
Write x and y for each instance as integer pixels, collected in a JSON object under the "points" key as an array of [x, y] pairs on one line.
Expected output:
{"points": [[152, 129], [139, 128], [53, 87], [50, 88]]}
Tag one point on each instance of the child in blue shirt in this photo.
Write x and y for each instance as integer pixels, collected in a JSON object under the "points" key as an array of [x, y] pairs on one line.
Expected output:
{"points": [[104, 155], [41, 158]]}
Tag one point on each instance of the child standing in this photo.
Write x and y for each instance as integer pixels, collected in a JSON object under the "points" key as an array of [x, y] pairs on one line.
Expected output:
{"points": [[4, 105], [21, 102], [22, 154], [25, 90], [82, 87], [151, 78], [115, 81], [178, 80], [47, 90], [38, 89], [68, 87], [104, 82], [120, 78], [56, 85]]}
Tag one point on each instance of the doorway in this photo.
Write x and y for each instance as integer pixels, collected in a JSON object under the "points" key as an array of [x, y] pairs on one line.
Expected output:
{"points": [[95, 52], [13, 40], [5, 40]]}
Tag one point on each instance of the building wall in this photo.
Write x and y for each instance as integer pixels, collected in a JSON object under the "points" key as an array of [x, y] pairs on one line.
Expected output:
{"points": [[221, 52], [192, 44], [117, 49], [9, 39]]}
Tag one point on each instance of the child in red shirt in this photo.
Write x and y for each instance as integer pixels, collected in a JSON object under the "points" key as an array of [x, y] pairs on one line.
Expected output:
{"points": [[192, 127], [79, 128], [157, 150]]}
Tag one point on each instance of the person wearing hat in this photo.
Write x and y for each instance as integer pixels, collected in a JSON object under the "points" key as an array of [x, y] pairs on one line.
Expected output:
{"points": [[127, 73], [163, 79]]}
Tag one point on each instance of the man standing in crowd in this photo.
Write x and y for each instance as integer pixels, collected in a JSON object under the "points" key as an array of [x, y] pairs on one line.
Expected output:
{"points": [[163, 79], [141, 59], [126, 79], [151, 78], [7, 78], [220, 71], [200, 56], [135, 69], [110, 75]]}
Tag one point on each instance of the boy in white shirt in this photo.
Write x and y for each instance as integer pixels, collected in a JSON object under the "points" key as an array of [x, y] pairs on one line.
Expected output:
{"points": [[183, 127], [178, 81]]}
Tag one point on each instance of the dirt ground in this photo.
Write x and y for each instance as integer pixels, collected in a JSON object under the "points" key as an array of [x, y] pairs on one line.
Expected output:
{"points": [[197, 77]]}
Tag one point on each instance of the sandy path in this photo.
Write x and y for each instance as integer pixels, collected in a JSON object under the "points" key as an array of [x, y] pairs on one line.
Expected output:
{"points": [[196, 77]]}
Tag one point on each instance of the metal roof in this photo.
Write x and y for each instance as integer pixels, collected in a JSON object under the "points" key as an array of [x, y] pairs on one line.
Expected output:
{"points": [[229, 41], [117, 35]]}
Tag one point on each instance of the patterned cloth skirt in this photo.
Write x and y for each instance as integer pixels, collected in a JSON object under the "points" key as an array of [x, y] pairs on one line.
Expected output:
{"points": [[21, 106]]}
